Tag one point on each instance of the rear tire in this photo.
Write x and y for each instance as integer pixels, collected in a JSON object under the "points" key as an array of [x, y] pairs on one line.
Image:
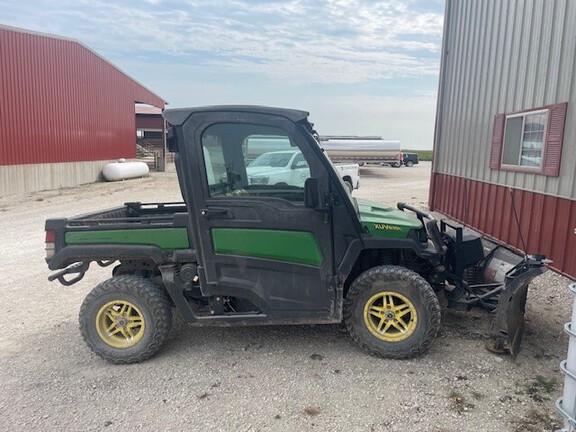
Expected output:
{"points": [[125, 319], [392, 312]]}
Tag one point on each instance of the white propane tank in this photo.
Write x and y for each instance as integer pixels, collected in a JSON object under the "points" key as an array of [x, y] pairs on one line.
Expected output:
{"points": [[123, 170]]}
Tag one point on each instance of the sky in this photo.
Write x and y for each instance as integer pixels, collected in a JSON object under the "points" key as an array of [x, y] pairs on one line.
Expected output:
{"points": [[359, 67]]}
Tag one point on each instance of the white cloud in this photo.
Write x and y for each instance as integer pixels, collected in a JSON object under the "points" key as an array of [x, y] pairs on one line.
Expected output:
{"points": [[335, 41], [343, 60]]}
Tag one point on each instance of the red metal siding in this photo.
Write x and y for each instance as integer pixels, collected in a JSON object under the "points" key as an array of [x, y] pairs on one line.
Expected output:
{"points": [[149, 122], [60, 102], [547, 222]]}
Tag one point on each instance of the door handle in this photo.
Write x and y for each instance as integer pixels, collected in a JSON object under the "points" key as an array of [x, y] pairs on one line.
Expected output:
{"points": [[216, 213]]}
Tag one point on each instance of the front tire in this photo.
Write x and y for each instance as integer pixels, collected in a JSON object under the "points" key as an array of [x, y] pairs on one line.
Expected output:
{"points": [[125, 319], [392, 312]]}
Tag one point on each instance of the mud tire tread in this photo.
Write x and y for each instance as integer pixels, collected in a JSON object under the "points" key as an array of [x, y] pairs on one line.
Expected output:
{"points": [[425, 302], [152, 301]]}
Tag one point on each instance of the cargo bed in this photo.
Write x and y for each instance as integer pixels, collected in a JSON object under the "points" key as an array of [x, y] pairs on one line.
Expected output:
{"points": [[130, 213], [156, 231]]}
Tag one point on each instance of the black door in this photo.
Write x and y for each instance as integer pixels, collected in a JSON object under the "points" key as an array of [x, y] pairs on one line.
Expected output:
{"points": [[256, 238]]}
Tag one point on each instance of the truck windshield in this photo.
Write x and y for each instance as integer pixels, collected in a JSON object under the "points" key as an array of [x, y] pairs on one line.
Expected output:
{"points": [[313, 134], [271, 160]]}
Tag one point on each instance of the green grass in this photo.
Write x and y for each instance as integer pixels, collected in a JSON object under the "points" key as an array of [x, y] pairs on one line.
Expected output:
{"points": [[423, 155]]}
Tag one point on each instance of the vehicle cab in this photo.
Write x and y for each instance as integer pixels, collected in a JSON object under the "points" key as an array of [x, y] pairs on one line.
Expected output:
{"points": [[287, 209]]}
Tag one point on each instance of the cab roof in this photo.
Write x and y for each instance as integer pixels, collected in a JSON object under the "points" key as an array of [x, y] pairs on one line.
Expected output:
{"points": [[177, 116]]}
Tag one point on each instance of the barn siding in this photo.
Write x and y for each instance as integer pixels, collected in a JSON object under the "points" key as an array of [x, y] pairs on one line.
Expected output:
{"points": [[155, 122], [61, 102], [489, 209], [503, 56]]}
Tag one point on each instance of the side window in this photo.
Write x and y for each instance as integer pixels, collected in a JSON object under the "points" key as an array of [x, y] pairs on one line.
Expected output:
{"points": [[248, 160], [299, 161]]}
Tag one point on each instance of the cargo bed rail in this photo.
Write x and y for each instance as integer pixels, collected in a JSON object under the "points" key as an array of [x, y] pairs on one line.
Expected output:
{"points": [[130, 214]]}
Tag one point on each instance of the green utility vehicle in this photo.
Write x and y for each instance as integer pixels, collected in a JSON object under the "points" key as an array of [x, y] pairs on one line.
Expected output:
{"points": [[243, 251]]}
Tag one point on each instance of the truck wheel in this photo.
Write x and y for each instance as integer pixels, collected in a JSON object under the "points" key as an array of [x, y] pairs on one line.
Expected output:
{"points": [[125, 319], [392, 312], [409, 163]]}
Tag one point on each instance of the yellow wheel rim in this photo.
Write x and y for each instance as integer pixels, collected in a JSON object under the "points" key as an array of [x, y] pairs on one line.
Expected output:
{"points": [[120, 324], [390, 316]]}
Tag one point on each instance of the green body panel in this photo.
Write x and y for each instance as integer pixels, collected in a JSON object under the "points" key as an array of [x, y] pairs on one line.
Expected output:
{"points": [[384, 221], [292, 246], [164, 238]]}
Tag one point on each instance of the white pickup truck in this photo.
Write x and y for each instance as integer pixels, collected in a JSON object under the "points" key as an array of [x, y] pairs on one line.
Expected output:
{"points": [[288, 167]]}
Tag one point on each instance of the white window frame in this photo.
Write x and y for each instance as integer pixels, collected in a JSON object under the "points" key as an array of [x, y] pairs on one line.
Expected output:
{"points": [[518, 166]]}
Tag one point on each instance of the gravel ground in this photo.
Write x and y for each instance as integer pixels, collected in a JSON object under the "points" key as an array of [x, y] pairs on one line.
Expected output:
{"points": [[281, 378]]}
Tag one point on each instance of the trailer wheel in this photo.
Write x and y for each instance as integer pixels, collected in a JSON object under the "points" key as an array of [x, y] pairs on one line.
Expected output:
{"points": [[392, 312], [125, 319]]}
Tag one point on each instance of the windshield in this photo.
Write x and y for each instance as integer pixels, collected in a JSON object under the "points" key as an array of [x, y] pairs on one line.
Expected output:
{"points": [[271, 160]]}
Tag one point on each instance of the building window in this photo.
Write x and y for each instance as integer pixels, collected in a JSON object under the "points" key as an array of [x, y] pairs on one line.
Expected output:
{"points": [[529, 141], [524, 139]]}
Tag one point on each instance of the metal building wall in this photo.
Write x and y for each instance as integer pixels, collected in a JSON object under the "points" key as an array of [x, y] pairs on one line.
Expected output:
{"points": [[506, 56], [546, 223], [61, 102], [145, 121]]}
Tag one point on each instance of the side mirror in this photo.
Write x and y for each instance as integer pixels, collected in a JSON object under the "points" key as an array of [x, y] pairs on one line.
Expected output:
{"points": [[311, 193]]}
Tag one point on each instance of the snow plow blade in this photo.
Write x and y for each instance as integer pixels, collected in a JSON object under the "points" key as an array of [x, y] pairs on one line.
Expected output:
{"points": [[508, 325]]}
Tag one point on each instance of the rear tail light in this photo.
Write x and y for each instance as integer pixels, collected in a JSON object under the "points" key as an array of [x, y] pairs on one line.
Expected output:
{"points": [[50, 244]]}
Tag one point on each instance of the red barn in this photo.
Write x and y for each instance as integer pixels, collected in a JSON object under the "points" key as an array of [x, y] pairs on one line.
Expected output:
{"points": [[65, 111]]}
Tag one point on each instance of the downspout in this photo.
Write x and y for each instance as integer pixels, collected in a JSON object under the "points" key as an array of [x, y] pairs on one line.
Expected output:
{"points": [[440, 103]]}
